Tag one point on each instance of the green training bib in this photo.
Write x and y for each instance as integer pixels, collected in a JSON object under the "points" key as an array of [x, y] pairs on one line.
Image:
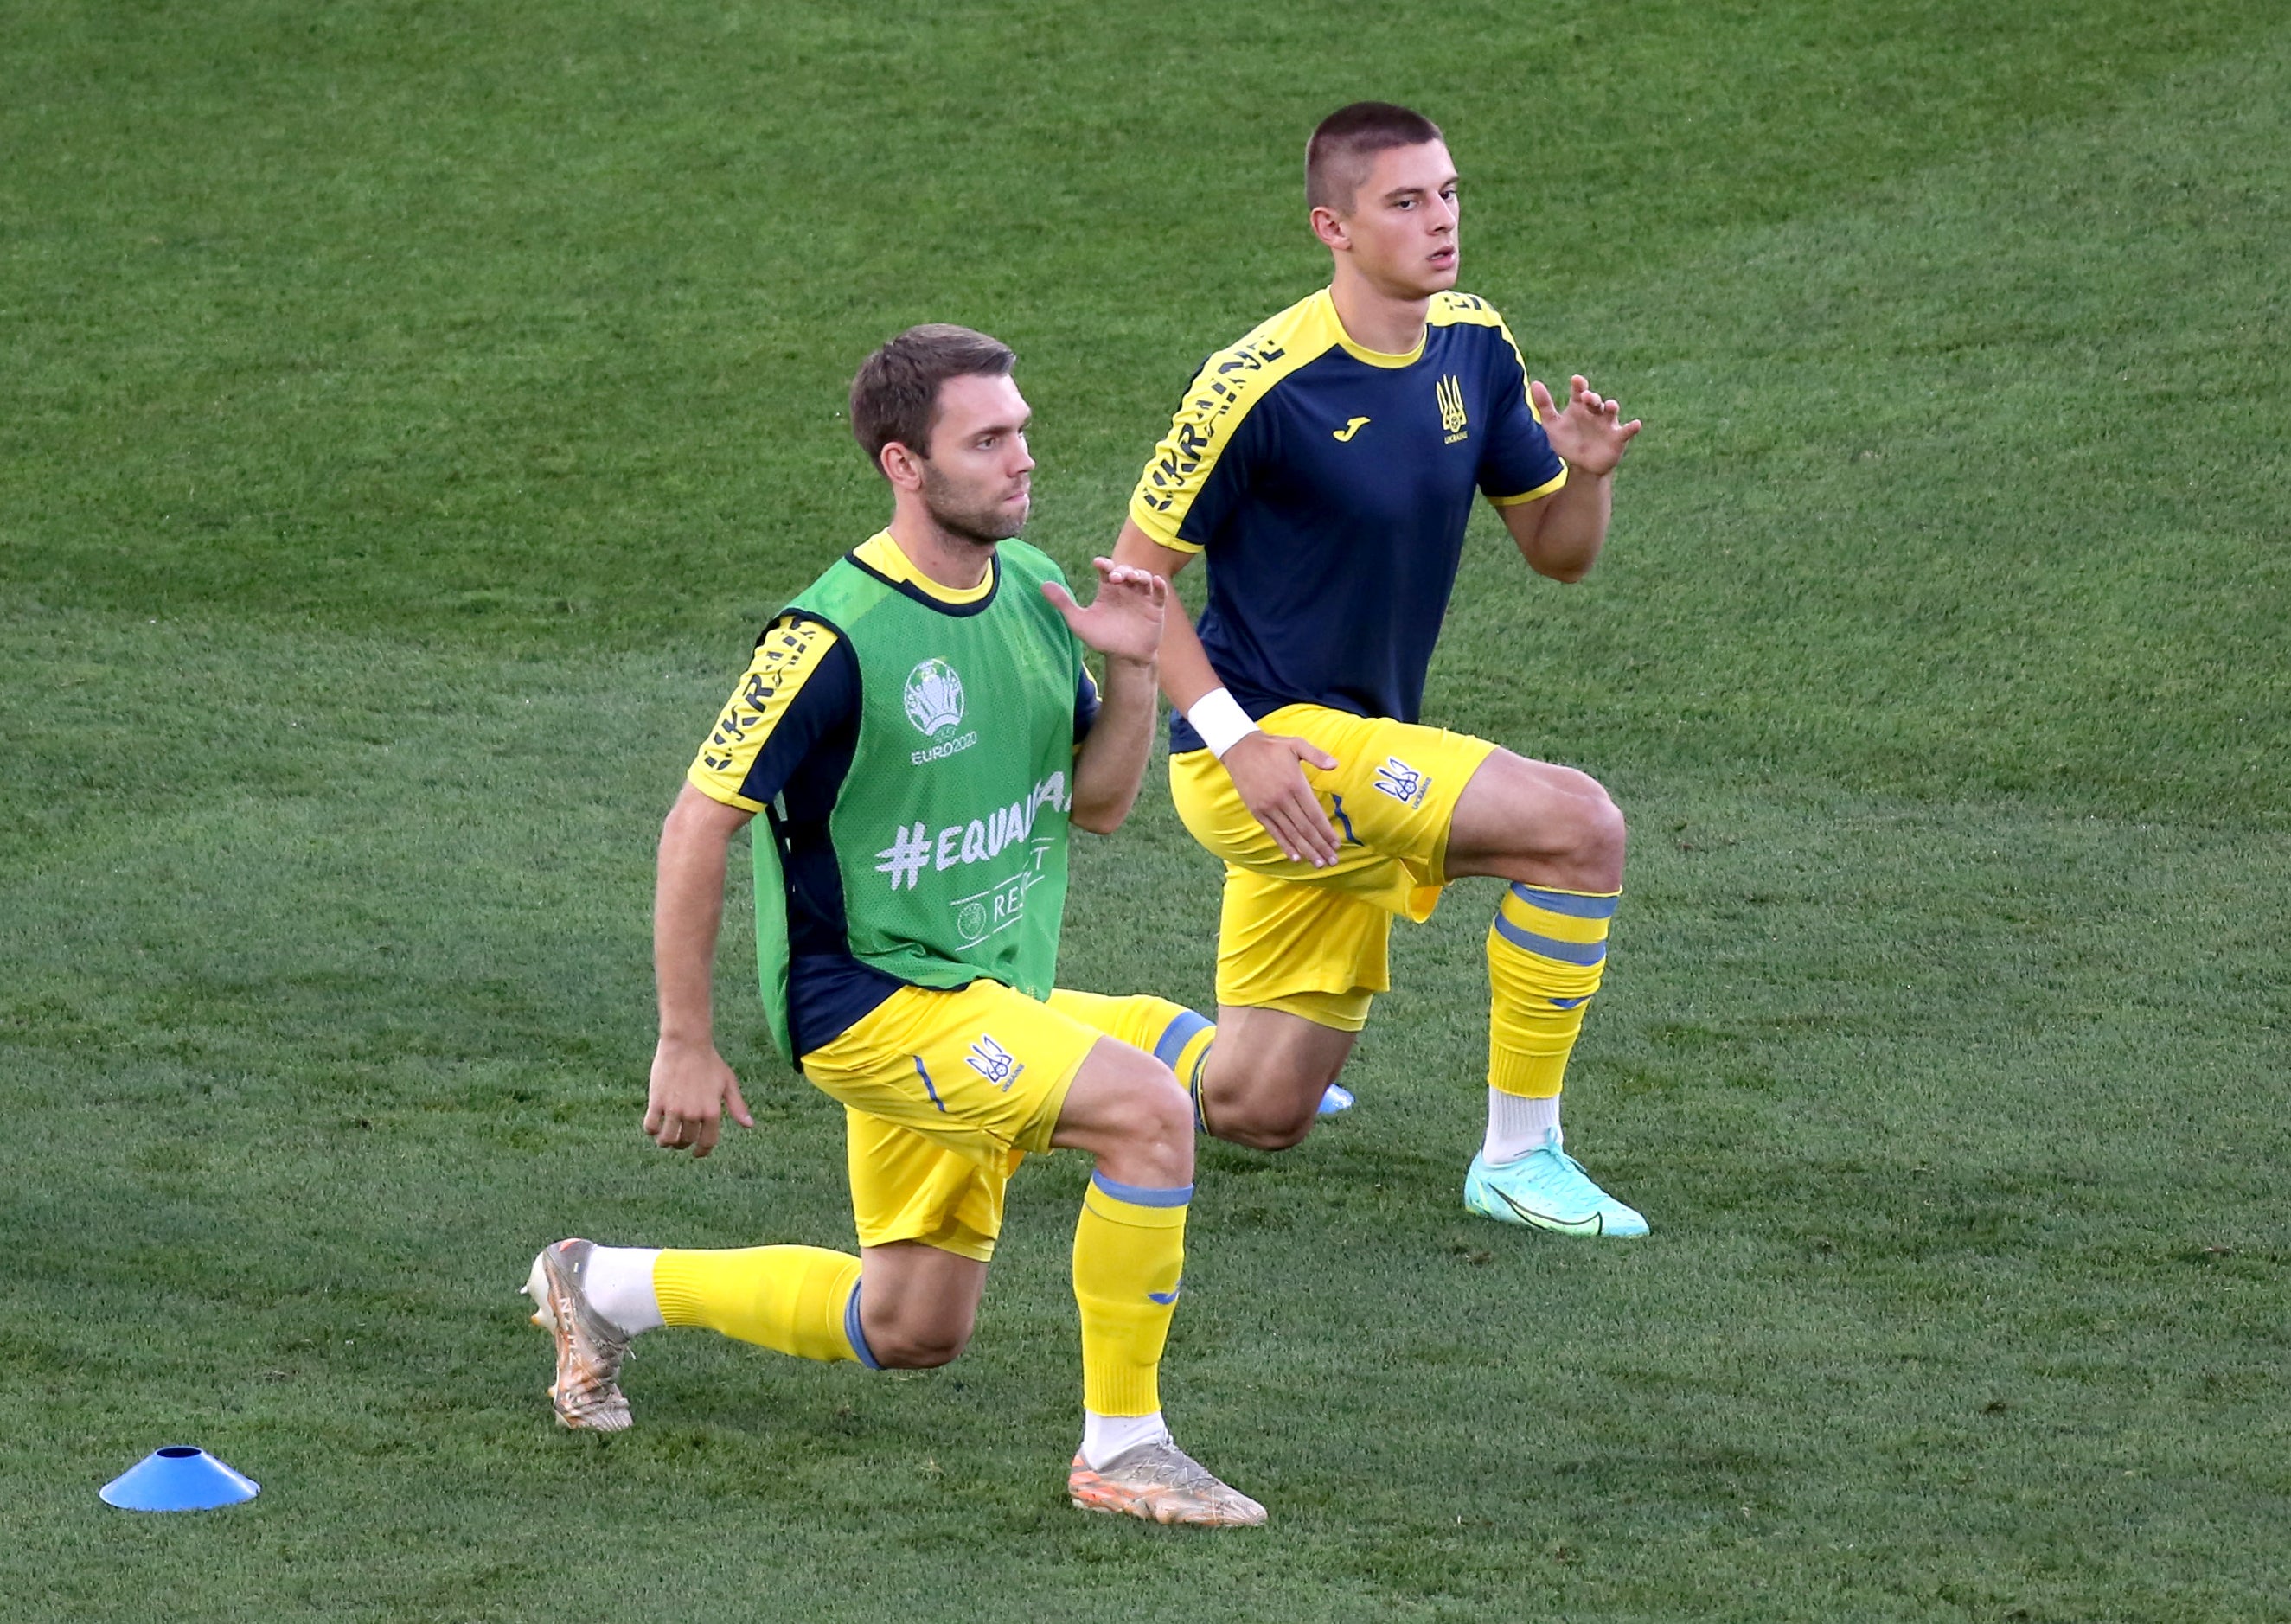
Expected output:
{"points": [[950, 832]]}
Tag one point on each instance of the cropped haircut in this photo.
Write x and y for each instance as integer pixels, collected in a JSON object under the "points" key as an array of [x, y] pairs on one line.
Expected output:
{"points": [[1339, 156], [895, 395]]}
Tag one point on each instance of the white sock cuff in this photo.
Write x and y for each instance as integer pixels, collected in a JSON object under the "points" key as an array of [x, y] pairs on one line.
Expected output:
{"points": [[618, 1282], [1108, 1437], [1517, 1125]]}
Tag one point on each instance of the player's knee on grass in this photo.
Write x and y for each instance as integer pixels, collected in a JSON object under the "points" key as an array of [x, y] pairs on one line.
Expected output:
{"points": [[918, 1303], [1264, 1130], [1263, 1084], [1267, 1118], [920, 1337], [916, 1350]]}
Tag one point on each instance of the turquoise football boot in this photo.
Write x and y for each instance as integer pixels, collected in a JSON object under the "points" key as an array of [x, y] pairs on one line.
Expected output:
{"points": [[1547, 1189]]}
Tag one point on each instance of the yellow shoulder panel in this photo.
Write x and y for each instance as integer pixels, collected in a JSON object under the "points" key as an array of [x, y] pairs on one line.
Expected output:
{"points": [[1469, 310], [790, 651], [1455, 309], [1228, 385]]}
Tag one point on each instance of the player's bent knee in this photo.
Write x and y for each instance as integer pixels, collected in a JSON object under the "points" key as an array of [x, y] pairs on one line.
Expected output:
{"points": [[1605, 832], [1584, 831], [1269, 1098], [920, 1341], [1163, 1131], [1130, 1111], [1267, 1118], [1263, 1134], [916, 1350], [1156, 1125]]}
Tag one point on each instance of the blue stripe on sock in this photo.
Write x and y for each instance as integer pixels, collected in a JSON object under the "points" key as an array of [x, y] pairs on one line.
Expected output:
{"points": [[1177, 1035], [1141, 1195], [1550, 947], [1566, 902], [855, 1334]]}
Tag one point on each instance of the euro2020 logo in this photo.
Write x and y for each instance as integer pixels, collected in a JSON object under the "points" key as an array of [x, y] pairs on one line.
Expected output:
{"points": [[934, 696]]}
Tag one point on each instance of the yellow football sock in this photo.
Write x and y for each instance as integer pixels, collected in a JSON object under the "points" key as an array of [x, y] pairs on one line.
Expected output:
{"points": [[1128, 1262], [1173, 1035], [799, 1299], [1546, 951]]}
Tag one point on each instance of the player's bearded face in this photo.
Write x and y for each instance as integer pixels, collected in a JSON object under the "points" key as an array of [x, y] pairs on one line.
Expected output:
{"points": [[978, 507], [977, 482]]}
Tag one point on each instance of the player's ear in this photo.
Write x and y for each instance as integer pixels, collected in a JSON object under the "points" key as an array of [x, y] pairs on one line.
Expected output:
{"points": [[1328, 226], [900, 466]]}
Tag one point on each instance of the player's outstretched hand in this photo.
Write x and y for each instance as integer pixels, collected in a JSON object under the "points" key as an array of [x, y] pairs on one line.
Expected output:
{"points": [[1267, 773], [692, 1089], [1590, 433], [1124, 623]]}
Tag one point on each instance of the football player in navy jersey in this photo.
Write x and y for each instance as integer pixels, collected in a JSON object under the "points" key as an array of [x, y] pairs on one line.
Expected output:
{"points": [[1325, 467]]}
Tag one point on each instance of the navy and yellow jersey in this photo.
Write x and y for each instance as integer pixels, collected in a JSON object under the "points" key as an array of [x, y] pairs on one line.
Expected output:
{"points": [[1329, 486], [783, 746]]}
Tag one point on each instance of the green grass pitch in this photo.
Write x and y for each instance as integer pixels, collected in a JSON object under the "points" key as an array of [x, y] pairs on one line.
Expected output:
{"points": [[409, 409]]}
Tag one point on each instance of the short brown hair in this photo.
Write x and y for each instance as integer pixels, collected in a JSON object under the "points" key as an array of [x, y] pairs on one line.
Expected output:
{"points": [[1337, 158], [895, 395]]}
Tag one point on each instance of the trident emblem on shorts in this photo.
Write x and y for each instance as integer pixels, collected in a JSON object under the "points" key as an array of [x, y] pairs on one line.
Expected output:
{"points": [[994, 1062], [1402, 782]]}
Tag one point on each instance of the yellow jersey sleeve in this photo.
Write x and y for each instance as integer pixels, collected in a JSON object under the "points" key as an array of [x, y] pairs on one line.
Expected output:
{"points": [[787, 657]]}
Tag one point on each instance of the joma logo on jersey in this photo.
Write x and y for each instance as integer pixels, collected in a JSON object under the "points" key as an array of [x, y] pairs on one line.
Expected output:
{"points": [[914, 848], [994, 1062], [1453, 421], [934, 696], [1402, 782]]}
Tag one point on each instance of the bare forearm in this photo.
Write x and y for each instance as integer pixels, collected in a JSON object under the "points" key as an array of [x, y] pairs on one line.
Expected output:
{"points": [[1264, 770], [1112, 764], [1187, 673], [688, 911], [1560, 535]]}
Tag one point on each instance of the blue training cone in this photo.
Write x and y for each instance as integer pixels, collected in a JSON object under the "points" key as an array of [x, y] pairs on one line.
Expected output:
{"points": [[179, 1478], [1336, 1098]]}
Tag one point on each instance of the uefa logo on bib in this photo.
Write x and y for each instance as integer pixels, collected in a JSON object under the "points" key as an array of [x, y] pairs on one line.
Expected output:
{"points": [[934, 696]]}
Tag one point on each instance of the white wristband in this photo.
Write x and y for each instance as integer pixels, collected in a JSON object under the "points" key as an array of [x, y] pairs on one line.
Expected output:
{"points": [[1218, 717]]}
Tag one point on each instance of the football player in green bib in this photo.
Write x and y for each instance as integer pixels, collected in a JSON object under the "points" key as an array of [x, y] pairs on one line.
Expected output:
{"points": [[915, 734]]}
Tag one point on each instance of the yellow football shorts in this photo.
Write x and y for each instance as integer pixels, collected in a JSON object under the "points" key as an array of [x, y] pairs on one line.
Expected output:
{"points": [[944, 1095], [1315, 942]]}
